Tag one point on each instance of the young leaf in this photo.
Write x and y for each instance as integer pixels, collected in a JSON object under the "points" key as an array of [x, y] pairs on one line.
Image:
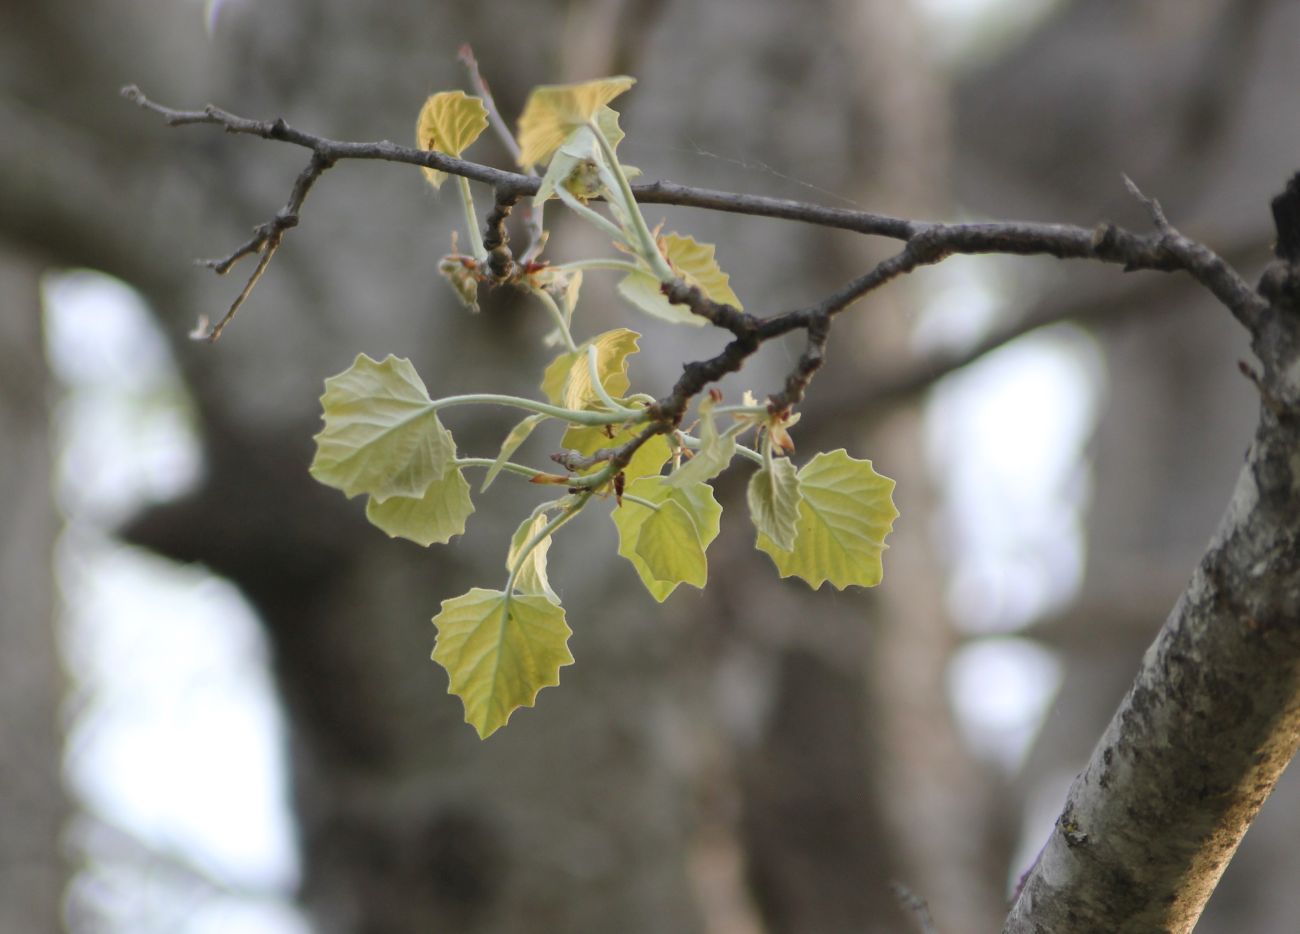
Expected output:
{"points": [[641, 290], [714, 455], [449, 121], [580, 149], [664, 549], [382, 435], [532, 577], [648, 460], [438, 516], [500, 651], [846, 512], [554, 111], [567, 380], [696, 264], [774, 497], [518, 435]]}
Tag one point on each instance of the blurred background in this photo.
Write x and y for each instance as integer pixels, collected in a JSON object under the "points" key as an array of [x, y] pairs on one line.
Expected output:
{"points": [[219, 711]]}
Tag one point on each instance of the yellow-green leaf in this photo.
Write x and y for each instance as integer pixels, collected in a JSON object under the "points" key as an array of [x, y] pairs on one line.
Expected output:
{"points": [[774, 497], [575, 164], [714, 455], [532, 577], [554, 111], [846, 512], [664, 549], [567, 380], [382, 435], [449, 122], [518, 435], [500, 651], [648, 460], [696, 264], [641, 290], [438, 516]]}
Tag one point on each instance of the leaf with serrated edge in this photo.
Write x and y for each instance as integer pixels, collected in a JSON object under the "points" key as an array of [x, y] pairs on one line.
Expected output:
{"points": [[532, 577], [696, 263], [642, 291], [552, 112], [449, 122], [438, 516], [567, 380], [382, 435], [774, 497], [518, 435], [499, 652], [714, 454], [648, 460], [846, 513], [700, 507]]}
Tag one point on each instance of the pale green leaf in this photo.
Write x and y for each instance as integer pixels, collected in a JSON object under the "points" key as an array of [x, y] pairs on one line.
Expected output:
{"points": [[695, 262], [774, 497], [449, 122], [518, 435], [567, 380], [674, 552], [552, 112], [714, 455], [500, 651], [382, 435], [648, 460], [438, 516], [532, 577], [846, 512], [576, 163], [642, 291]]}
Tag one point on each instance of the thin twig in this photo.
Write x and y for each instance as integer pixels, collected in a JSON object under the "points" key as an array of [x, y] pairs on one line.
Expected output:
{"points": [[916, 906]]}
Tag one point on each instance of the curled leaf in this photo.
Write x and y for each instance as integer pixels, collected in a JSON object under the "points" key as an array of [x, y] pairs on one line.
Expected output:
{"points": [[555, 111]]}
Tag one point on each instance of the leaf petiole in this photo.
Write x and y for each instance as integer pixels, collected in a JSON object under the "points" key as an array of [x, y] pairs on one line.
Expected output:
{"points": [[471, 220], [544, 533]]}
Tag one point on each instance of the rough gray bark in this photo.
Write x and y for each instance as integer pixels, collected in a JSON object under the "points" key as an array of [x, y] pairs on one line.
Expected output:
{"points": [[1214, 714]]}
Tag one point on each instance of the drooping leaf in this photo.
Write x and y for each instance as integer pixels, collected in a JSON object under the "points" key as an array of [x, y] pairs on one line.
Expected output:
{"points": [[674, 551], [714, 455], [696, 263], [554, 111], [774, 497], [641, 289], [518, 435], [846, 512], [648, 460], [449, 122], [575, 164], [532, 577], [438, 516], [382, 435], [500, 651], [567, 380]]}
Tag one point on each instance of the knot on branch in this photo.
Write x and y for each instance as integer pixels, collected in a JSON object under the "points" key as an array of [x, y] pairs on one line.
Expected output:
{"points": [[716, 313], [501, 262]]}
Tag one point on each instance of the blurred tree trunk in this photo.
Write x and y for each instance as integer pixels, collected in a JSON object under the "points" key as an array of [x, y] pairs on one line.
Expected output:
{"points": [[32, 804], [1193, 119]]}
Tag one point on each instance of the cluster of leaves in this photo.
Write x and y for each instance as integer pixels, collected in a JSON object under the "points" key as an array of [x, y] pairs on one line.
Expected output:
{"points": [[826, 521]]}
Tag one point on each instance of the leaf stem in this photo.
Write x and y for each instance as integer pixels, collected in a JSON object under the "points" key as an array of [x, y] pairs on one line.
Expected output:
{"points": [[590, 215], [629, 498], [649, 249], [605, 397], [522, 470], [545, 532], [621, 265], [572, 416], [557, 315], [471, 219]]}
